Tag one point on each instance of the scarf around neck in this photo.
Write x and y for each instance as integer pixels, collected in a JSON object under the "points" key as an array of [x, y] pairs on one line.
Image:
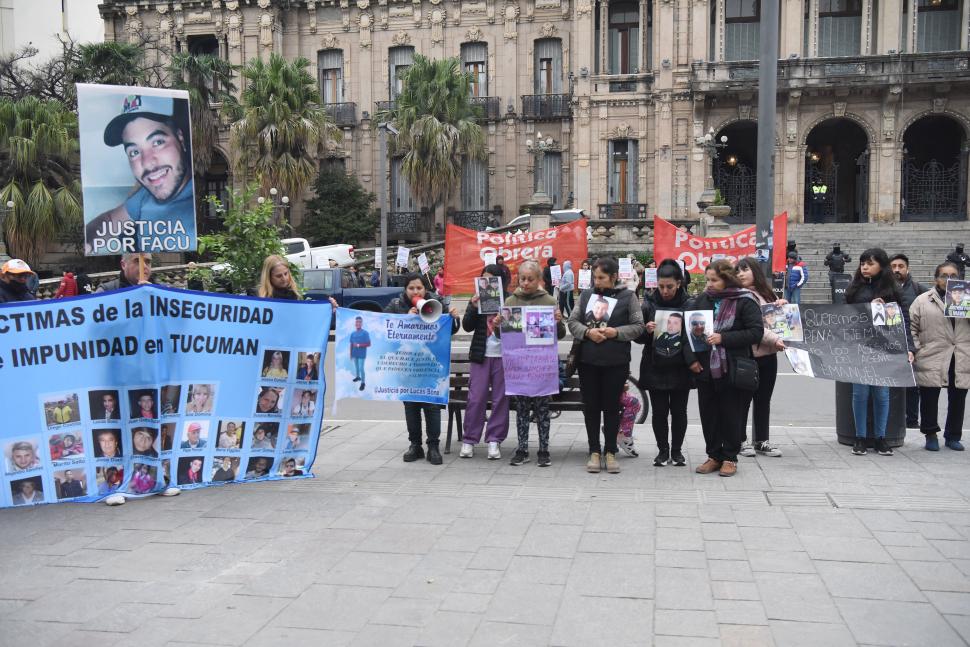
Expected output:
{"points": [[724, 320]]}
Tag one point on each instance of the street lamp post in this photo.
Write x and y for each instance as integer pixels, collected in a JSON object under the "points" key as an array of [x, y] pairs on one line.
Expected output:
{"points": [[280, 204], [540, 206]]}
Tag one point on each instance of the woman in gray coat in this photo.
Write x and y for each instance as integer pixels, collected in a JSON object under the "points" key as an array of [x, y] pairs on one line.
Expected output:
{"points": [[942, 360]]}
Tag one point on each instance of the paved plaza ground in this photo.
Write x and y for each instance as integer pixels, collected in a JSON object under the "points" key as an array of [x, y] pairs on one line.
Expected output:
{"points": [[815, 548]]}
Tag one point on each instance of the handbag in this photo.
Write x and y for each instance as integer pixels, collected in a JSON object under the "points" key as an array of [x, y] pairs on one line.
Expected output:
{"points": [[743, 373]]}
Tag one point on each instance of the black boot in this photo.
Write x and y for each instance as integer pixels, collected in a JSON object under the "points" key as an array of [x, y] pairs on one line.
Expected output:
{"points": [[413, 453], [434, 456]]}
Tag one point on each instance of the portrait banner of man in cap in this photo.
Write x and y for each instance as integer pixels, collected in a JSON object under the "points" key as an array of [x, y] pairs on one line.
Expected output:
{"points": [[136, 170], [957, 299]]}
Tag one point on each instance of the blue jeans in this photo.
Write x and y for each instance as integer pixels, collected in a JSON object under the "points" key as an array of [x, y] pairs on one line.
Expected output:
{"points": [[860, 409], [359, 367], [793, 295]]}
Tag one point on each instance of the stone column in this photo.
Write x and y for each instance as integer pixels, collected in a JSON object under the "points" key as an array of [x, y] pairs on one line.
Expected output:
{"points": [[889, 26], [791, 37], [868, 28], [812, 29], [718, 54], [583, 44], [604, 37]]}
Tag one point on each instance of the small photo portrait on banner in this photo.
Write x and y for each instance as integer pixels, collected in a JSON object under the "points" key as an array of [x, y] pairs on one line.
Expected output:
{"points": [[957, 301], [224, 468], [264, 435], [144, 478], [27, 491], [304, 403], [166, 473], [61, 409], [190, 470], [168, 436], [894, 314], [700, 323], [144, 440], [22, 455], [200, 399], [195, 433], [259, 467], [540, 327], [599, 309], [296, 437], [69, 484], [230, 434], [292, 466], [878, 314], [107, 443], [136, 170], [269, 399], [668, 335], [171, 399], [276, 364], [800, 360], [489, 292], [104, 405], [512, 320], [308, 366], [109, 479], [66, 446], [143, 403]]}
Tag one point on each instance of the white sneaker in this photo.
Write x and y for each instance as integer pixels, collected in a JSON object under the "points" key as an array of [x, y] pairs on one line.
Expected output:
{"points": [[747, 449], [767, 449], [467, 450], [115, 499], [626, 445], [493, 452], [171, 491]]}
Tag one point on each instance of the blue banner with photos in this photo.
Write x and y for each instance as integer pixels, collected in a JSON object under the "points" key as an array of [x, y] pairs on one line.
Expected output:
{"points": [[381, 356], [133, 391]]}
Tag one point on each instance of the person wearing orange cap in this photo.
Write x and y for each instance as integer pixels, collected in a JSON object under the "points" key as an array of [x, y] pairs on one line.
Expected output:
{"points": [[192, 440], [14, 281]]}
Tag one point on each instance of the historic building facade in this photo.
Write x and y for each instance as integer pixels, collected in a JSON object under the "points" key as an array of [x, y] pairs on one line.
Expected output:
{"points": [[873, 98]]}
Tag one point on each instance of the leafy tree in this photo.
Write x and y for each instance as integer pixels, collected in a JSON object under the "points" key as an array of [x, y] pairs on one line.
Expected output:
{"points": [[438, 126], [208, 80], [249, 237], [280, 122], [38, 149], [341, 212]]}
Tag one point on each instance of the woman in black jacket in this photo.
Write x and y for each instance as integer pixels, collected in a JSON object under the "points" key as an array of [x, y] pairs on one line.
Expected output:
{"points": [[416, 288], [667, 362], [737, 327], [485, 376], [613, 321]]}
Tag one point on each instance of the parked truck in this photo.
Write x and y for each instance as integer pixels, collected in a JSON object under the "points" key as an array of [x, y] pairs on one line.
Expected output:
{"points": [[299, 252], [339, 283]]}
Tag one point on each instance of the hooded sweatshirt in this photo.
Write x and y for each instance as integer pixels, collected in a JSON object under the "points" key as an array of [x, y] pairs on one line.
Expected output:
{"points": [[568, 281]]}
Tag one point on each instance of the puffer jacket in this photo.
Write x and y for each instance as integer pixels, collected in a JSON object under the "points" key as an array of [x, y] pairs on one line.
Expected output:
{"points": [[661, 373], [401, 306], [937, 339], [477, 324]]}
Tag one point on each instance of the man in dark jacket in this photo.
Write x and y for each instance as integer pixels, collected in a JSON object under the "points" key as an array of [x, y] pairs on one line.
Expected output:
{"points": [[547, 274], [129, 275], [14, 281], [908, 291], [836, 261], [958, 258]]}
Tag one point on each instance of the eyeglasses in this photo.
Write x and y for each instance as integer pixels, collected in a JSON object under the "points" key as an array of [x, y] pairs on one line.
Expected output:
{"points": [[948, 276]]}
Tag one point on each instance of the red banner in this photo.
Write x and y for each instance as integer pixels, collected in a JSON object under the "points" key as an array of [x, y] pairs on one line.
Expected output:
{"points": [[466, 250], [697, 252]]}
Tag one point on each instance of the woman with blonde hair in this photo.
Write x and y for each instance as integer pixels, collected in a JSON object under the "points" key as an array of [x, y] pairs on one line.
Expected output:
{"points": [[276, 282]]}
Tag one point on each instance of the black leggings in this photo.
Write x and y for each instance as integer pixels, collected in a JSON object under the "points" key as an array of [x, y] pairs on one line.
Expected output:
{"points": [[673, 404], [767, 374], [601, 387]]}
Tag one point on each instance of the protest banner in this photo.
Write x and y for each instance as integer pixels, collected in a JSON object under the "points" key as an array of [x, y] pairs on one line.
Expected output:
{"points": [[585, 279], [403, 254], [466, 250], [127, 391], [555, 273], [842, 343], [423, 263], [626, 268], [530, 355], [649, 278], [381, 356], [136, 170], [697, 252]]}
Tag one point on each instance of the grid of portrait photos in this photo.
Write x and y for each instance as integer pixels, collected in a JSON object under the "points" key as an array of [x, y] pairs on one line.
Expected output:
{"points": [[139, 440]]}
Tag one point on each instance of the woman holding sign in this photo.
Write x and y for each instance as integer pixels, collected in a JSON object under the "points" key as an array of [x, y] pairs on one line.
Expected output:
{"points": [[873, 283], [276, 282], [607, 319], [942, 360], [415, 288], [721, 396]]}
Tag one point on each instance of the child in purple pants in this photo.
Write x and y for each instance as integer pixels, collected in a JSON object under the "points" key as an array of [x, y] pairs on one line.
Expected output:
{"points": [[629, 408]]}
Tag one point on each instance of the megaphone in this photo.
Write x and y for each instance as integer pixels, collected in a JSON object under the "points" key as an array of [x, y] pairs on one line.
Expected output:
{"points": [[429, 309]]}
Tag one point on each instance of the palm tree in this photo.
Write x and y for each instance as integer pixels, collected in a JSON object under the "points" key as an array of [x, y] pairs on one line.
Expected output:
{"points": [[38, 154], [281, 121], [208, 80], [438, 127]]}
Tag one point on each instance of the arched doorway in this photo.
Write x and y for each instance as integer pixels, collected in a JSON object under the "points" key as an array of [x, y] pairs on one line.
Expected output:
{"points": [[735, 170], [837, 172], [216, 182], [934, 177]]}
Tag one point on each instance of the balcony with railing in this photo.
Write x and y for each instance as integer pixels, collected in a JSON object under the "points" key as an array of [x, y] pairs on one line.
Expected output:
{"points": [[409, 225], [490, 107], [622, 211], [546, 106], [342, 114], [477, 220], [835, 72]]}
